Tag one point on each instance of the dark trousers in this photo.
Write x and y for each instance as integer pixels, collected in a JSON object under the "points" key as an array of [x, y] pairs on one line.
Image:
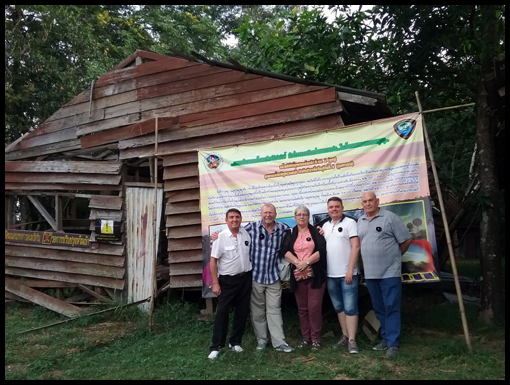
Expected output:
{"points": [[235, 292]]}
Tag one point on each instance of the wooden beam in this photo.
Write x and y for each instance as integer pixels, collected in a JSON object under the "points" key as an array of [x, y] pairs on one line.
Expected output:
{"points": [[66, 277], [93, 293], [43, 212], [73, 167], [58, 306]]}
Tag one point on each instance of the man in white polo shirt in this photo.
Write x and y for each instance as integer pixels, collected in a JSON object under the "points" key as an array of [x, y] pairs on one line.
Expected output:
{"points": [[231, 275], [342, 246]]}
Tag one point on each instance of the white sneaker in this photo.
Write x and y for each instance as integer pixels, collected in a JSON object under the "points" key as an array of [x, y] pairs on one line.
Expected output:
{"points": [[235, 348], [261, 345], [213, 354]]}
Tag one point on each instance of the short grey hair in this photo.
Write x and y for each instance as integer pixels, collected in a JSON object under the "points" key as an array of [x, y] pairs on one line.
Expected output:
{"points": [[302, 207]]}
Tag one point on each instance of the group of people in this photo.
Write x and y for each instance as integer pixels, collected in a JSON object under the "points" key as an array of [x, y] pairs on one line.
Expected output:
{"points": [[244, 268]]}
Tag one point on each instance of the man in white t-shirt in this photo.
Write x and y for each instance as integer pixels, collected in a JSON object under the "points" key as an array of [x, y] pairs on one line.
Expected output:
{"points": [[231, 275], [342, 245]]}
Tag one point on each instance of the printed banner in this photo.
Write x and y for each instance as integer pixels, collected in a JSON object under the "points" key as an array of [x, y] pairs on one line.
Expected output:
{"points": [[384, 156], [47, 238]]}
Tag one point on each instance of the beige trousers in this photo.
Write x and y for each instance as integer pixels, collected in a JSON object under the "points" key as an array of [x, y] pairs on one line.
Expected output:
{"points": [[266, 312]]}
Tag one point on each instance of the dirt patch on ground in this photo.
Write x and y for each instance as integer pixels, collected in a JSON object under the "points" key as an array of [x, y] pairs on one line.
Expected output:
{"points": [[107, 331]]}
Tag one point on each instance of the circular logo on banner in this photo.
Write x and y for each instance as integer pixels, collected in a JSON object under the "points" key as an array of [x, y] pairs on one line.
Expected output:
{"points": [[213, 161]]}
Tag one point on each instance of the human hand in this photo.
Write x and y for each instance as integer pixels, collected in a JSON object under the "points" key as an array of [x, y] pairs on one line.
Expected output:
{"points": [[216, 289], [321, 232], [348, 277], [214, 236]]}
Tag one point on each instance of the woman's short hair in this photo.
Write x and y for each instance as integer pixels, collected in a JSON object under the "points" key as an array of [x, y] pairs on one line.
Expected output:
{"points": [[302, 207]]}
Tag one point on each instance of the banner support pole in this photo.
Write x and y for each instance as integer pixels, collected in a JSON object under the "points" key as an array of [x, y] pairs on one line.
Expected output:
{"points": [[446, 229]]}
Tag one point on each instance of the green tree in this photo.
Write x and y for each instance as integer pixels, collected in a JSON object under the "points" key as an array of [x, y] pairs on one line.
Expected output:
{"points": [[444, 52], [52, 52]]}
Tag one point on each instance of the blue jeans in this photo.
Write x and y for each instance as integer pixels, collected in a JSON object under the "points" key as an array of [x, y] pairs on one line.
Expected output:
{"points": [[344, 297], [386, 296]]}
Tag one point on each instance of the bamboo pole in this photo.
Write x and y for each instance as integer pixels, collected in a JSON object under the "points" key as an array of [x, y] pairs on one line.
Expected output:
{"points": [[154, 224], [446, 229], [86, 315]]}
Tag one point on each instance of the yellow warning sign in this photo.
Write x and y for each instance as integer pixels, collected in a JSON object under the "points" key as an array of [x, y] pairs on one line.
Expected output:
{"points": [[106, 226]]}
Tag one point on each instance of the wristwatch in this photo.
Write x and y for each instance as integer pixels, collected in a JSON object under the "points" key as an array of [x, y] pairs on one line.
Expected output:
{"points": [[308, 263]]}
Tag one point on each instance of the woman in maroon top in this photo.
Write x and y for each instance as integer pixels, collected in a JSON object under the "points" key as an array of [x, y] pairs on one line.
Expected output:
{"points": [[304, 247]]}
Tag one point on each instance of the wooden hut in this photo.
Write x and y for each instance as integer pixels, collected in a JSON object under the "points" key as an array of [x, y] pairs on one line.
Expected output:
{"points": [[88, 170]]}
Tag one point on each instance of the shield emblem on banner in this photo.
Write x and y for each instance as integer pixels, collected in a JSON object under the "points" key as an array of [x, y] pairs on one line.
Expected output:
{"points": [[405, 128]]}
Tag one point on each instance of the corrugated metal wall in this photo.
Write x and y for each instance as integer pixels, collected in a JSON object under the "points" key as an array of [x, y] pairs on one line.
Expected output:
{"points": [[140, 241]]}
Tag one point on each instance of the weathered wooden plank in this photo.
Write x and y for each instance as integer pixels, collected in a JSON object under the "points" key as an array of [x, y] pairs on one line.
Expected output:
{"points": [[131, 131], [194, 243], [185, 231], [195, 83], [186, 268], [14, 297], [106, 214], [64, 255], [66, 277], [187, 130], [285, 103], [75, 120], [105, 202], [65, 267], [45, 284], [101, 248], [104, 102], [45, 300], [184, 256], [195, 70], [43, 212], [100, 92], [25, 187], [98, 126], [182, 158], [206, 87], [28, 177], [92, 293], [180, 171], [181, 184], [52, 148], [183, 220], [179, 281], [272, 132], [182, 195], [155, 67], [74, 167], [52, 137], [172, 105], [182, 207]]}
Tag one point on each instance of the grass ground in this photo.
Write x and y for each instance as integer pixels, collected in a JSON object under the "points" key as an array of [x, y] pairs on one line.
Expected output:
{"points": [[119, 346]]}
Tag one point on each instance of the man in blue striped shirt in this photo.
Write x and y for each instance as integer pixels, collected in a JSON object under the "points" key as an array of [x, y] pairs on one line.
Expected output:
{"points": [[266, 295]]}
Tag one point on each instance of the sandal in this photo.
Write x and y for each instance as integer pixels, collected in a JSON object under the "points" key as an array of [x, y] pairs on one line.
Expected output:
{"points": [[316, 345], [304, 343]]}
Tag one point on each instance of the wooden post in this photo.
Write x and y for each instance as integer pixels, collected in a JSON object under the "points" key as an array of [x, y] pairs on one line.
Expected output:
{"points": [[446, 229], [58, 212], [154, 224]]}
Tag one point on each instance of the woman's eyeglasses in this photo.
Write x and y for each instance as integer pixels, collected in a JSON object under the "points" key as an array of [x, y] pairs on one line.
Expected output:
{"points": [[301, 215]]}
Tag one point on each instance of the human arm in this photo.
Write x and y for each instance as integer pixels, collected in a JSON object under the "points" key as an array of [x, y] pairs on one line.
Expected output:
{"points": [[214, 236], [405, 245], [353, 259], [213, 264]]}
